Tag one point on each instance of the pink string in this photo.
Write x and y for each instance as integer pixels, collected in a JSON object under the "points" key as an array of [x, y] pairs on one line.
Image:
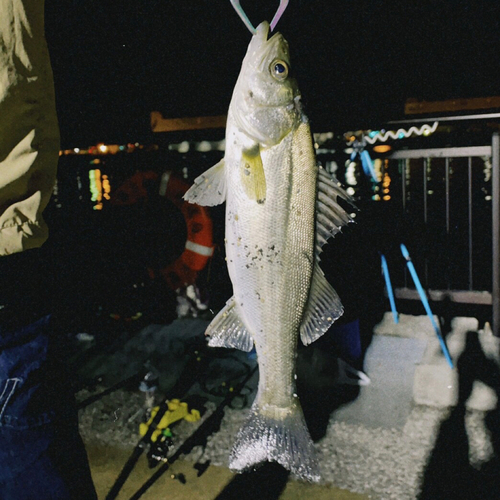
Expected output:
{"points": [[239, 9], [279, 13]]}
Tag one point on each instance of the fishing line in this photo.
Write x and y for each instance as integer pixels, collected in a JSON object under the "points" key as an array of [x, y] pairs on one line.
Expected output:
{"points": [[239, 10]]}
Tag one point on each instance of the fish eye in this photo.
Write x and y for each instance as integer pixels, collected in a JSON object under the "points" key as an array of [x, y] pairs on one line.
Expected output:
{"points": [[279, 70]]}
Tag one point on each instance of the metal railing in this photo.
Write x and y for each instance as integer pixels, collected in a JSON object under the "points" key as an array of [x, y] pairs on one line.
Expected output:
{"points": [[438, 213], [495, 146]]}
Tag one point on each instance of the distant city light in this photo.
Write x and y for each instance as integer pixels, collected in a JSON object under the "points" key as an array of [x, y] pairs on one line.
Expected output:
{"points": [[382, 148], [96, 188], [106, 187], [105, 149]]}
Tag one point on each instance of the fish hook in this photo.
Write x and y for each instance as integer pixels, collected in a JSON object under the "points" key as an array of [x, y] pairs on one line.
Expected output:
{"points": [[239, 10]]}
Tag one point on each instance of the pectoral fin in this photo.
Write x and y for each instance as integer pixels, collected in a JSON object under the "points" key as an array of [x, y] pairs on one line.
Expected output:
{"points": [[227, 329], [252, 174], [209, 188], [323, 309]]}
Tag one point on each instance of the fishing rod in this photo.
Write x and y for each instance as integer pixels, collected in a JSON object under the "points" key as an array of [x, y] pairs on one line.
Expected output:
{"points": [[199, 435], [183, 386], [141, 446], [136, 377]]}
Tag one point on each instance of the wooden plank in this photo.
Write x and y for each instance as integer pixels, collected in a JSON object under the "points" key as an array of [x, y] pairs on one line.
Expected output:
{"points": [[414, 107], [160, 124]]}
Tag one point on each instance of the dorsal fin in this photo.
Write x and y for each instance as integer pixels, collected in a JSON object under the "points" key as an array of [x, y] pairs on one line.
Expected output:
{"points": [[330, 216]]}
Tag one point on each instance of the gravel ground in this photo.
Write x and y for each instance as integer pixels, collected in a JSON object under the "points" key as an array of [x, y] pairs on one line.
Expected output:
{"points": [[385, 463]]}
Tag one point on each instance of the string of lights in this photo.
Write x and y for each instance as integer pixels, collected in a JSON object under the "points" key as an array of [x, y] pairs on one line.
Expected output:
{"points": [[382, 136]]}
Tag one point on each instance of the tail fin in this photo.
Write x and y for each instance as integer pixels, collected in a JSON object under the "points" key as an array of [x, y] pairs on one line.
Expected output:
{"points": [[276, 436]]}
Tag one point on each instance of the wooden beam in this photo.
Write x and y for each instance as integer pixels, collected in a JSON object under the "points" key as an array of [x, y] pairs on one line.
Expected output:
{"points": [[160, 124], [414, 107]]}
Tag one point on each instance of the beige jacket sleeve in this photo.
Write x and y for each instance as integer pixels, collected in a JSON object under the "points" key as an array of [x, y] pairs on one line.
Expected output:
{"points": [[29, 133]]}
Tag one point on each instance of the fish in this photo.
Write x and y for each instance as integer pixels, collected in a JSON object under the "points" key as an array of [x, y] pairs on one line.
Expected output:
{"points": [[281, 208]]}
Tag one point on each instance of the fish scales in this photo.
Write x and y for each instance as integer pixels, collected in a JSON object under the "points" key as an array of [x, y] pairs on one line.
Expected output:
{"points": [[275, 228], [270, 257]]}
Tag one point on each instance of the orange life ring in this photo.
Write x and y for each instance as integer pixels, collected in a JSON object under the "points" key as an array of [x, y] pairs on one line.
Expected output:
{"points": [[199, 246], [133, 189]]}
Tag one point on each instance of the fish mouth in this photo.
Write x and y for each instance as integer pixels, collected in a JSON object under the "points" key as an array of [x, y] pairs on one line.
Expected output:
{"points": [[262, 33]]}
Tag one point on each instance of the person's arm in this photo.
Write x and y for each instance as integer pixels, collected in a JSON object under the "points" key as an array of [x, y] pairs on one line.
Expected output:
{"points": [[29, 133]]}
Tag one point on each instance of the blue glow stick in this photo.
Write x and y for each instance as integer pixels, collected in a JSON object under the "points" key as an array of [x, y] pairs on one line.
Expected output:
{"points": [[368, 165], [425, 302], [388, 286], [364, 163]]}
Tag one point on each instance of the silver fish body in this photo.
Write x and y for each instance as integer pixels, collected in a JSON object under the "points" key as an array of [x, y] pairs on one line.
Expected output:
{"points": [[280, 210]]}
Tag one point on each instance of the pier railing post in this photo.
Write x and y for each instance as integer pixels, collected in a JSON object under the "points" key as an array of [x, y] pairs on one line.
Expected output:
{"points": [[495, 179]]}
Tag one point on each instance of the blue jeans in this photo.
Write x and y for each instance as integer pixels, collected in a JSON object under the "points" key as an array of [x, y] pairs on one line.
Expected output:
{"points": [[42, 456]]}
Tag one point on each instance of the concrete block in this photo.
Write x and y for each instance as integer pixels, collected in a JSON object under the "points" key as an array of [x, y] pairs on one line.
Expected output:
{"points": [[436, 384], [408, 326], [387, 401]]}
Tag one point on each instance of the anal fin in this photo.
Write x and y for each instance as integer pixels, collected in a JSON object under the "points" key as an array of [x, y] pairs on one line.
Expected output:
{"points": [[323, 309], [227, 329]]}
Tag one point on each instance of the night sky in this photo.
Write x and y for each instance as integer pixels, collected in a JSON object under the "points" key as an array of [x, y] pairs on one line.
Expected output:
{"points": [[356, 62]]}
